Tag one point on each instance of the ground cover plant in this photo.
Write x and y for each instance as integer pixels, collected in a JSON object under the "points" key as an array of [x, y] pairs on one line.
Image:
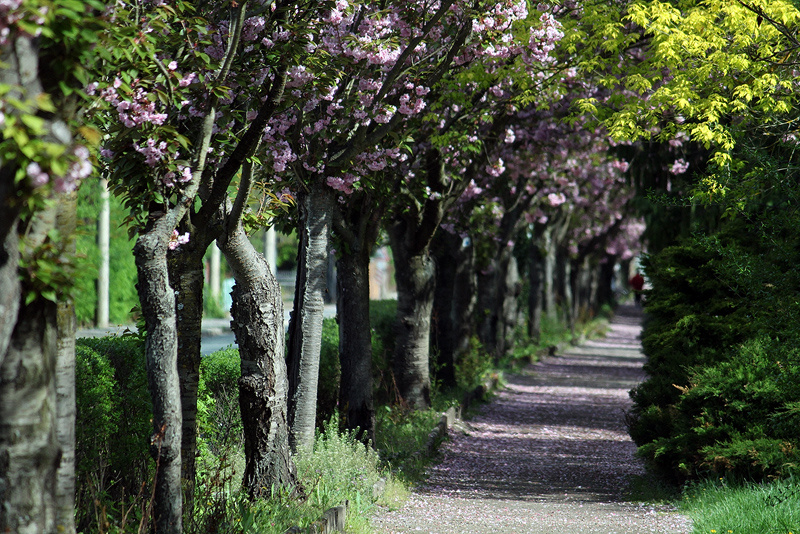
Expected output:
{"points": [[719, 506]]}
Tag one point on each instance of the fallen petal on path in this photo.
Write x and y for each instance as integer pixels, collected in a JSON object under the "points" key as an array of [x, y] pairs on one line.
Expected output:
{"points": [[549, 455]]}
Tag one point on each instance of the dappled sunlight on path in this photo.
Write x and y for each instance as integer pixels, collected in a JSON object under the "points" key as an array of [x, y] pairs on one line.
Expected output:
{"points": [[550, 454]]}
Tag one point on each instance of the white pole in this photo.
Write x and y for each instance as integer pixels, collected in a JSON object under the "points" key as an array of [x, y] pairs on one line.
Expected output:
{"points": [[271, 248], [103, 242], [214, 276]]}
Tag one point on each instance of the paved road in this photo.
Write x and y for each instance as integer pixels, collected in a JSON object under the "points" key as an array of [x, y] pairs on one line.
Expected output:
{"points": [[549, 455], [217, 333]]}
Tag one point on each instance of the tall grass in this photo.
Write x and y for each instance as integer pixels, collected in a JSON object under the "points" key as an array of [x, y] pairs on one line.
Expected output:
{"points": [[339, 469], [720, 507]]}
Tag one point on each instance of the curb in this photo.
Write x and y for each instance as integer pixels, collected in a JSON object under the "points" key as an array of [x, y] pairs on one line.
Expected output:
{"points": [[333, 519], [453, 414]]}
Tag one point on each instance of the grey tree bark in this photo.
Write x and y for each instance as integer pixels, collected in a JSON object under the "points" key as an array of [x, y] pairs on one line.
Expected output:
{"points": [[549, 274], [103, 241], [415, 274], [161, 348], [29, 450], [498, 290], [30, 453], [10, 290], [263, 387], [410, 234], [356, 227], [535, 294], [355, 343], [498, 284], [305, 327], [66, 223], [186, 280]]}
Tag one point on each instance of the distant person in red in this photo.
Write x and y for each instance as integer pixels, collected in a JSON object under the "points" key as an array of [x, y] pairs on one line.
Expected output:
{"points": [[637, 283]]}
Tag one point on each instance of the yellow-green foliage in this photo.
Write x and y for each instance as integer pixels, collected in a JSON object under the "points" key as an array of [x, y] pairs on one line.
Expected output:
{"points": [[688, 65]]}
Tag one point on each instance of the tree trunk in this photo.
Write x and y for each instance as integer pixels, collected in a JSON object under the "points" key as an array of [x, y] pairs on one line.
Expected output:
{"points": [[30, 453], [535, 294], [605, 285], [355, 342], [498, 289], [258, 325], [357, 232], [415, 274], [66, 223], [186, 280], [453, 303], [9, 277], [488, 305], [549, 283], [161, 349], [103, 242], [509, 316], [305, 327], [29, 450], [569, 280]]}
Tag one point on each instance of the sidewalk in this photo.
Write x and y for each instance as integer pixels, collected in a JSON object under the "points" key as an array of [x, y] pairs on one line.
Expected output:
{"points": [[549, 455]]}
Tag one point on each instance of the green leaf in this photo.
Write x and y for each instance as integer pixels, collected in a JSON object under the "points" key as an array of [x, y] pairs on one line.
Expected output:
{"points": [[36, 124]]}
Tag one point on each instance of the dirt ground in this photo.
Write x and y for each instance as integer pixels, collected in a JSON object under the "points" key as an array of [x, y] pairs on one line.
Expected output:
{"points": [[549, 455]]}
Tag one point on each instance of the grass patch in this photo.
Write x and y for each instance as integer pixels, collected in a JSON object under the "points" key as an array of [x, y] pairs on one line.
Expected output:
{"points": [[720, 507]]}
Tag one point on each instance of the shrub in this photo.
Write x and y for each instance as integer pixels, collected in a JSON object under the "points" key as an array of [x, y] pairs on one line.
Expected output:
{"points": [[473, 366], [721, 320], [96, 419], [739, 417], [112, 426], [218, 415]]}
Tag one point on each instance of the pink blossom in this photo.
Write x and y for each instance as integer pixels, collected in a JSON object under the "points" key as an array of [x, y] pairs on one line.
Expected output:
{"points": [[680, 166], [187, 80], [556, 199], [176, 240], [36, 175]]}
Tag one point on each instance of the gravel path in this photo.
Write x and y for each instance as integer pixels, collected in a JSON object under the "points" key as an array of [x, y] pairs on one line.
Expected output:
{"points": [[549, 455]]}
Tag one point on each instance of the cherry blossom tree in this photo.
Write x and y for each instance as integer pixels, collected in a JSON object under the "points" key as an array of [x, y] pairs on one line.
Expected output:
{"points": [[41, 162], [382, 60], [183, 113], [453, 150]]}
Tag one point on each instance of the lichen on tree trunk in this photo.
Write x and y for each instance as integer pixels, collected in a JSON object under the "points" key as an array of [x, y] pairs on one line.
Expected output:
{"points": [[258, 325], [161, 350], [305, 327]]}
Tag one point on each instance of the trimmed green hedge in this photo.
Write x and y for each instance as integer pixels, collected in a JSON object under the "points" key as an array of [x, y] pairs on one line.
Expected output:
{"points": [[722, 395], [112, 428]]}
